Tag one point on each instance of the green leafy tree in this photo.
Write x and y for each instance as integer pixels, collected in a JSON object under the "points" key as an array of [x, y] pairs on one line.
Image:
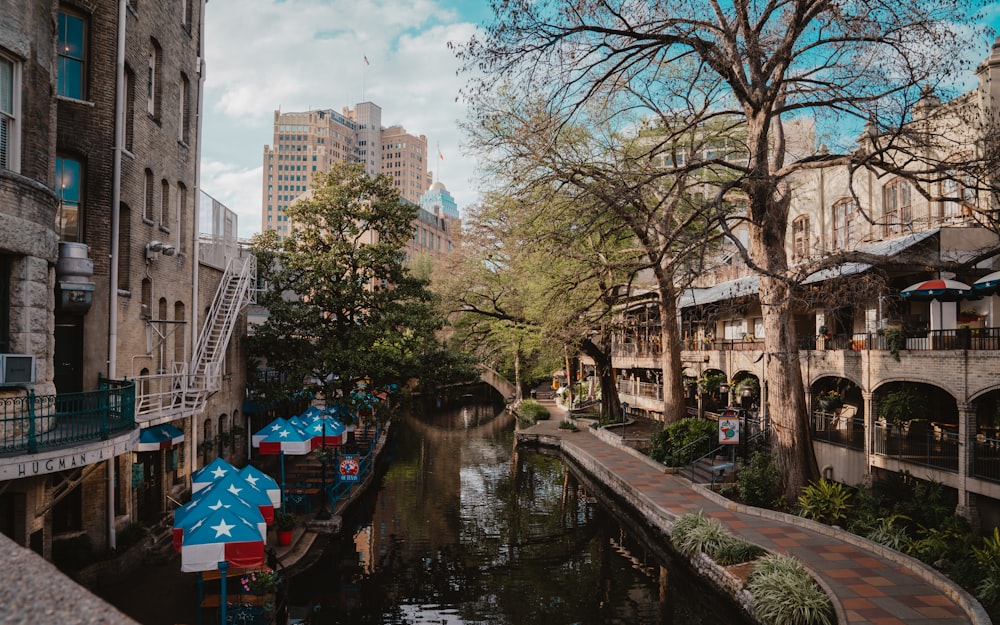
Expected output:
{"points": [[342, 306], [762, 67]]}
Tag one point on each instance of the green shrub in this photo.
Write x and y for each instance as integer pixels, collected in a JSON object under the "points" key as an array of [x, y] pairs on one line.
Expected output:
{"points": [[569, 425], [785, 593], [988, 557], [530, 411], [757, 481], [825, 501], [886, 532], [695, 533], [682, 442]]}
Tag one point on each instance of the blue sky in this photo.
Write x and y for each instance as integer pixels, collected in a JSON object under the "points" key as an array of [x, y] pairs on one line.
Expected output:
{"points": [[263, 55], [295, 55]]}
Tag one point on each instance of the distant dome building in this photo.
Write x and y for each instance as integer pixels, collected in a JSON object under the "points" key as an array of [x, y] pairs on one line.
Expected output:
{"points": [[437, 199]]}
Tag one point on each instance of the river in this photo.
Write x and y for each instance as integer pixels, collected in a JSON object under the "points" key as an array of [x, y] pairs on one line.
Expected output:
{"points": [[463, 528]]}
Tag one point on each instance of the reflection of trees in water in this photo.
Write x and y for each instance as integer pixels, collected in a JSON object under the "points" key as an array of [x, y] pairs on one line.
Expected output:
{"points": [[469, 528]]}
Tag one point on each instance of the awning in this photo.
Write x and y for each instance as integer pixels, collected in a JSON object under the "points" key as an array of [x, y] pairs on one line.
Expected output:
{"points": [[750, 285], [159, 437]]}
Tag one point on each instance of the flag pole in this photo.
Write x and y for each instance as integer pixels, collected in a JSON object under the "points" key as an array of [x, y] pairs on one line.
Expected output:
{"points": [[364, 77]]}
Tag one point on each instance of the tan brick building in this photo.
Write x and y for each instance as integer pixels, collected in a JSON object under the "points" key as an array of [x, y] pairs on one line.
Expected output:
{"points": [[101, 290]]}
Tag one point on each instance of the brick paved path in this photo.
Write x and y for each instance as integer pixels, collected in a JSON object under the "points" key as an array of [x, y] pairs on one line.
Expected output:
{"points": [[871, 585]]}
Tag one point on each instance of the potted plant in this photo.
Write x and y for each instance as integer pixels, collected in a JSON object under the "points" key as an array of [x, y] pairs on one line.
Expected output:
{"points": [[902, 407], [284, 523], [830, 400], [260, 582]]}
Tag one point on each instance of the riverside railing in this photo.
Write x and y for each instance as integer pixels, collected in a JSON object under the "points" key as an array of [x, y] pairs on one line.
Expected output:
{"points": [[838, 430], [30, 422], [917, 443]]}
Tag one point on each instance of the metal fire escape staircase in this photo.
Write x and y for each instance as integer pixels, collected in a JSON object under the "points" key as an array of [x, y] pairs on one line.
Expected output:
{"points": [[237, 289]]}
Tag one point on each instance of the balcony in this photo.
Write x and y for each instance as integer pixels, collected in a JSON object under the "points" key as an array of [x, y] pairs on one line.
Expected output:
{"points": [[36, 424]]}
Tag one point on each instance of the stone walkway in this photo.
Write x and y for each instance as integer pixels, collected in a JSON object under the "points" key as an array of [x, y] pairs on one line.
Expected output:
{"points": [[868, 584]]}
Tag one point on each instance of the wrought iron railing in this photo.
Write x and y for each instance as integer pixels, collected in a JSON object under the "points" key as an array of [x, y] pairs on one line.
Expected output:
{"points": [[986, 459], [831, 428], [917, 442], [29, 423]]}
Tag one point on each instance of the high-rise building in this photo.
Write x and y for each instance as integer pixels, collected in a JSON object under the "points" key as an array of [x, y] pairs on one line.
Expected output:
{"points": [[306, 142]]}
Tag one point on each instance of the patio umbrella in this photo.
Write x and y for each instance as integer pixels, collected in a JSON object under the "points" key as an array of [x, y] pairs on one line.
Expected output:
{"points": [[210, 473], [207, 501], [988, 284], [221, 536], [938, 289], [288, 440], [238, 486], [274, 426], [264, 482], [159, 437], [326, 431]]}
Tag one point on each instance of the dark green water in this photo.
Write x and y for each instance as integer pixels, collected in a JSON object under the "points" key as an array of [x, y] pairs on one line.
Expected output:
{"points": [[465, 529]]}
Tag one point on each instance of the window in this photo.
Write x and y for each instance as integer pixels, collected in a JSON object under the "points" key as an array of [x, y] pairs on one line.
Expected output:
{"points": [[72, 32], [186, 14], [182, 217], [4, 304], [183, 121], [125, 250], [129, 108], [69, 175], [153, 85], [9, 142], [165, 204], [958, 191], [800, 237], [147, 197], [843, 224], [897, 209]]}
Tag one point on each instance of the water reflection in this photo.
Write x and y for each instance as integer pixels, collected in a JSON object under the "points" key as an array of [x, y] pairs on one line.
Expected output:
{"points": [[464, 530]]}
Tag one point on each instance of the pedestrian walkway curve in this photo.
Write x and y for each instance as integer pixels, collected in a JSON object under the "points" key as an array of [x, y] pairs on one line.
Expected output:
{"points": [[868, 583]]}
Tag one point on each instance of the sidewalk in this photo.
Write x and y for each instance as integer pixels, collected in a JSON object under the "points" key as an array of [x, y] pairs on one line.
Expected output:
{"points": [[868, 584]]}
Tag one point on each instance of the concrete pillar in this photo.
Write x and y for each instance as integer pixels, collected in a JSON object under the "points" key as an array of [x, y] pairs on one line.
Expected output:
{"points": [[967, 428]]}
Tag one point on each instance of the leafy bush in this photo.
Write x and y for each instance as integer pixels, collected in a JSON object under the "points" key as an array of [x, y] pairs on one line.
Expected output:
{"points": [[757, 481], [695, 533], [784, 592], [530, 411], [988, 557], [568, 425], [825, 501], [682, 442]]}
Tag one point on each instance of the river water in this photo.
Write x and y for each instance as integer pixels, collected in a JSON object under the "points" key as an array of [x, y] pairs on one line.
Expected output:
{"points": [[463, 528]]}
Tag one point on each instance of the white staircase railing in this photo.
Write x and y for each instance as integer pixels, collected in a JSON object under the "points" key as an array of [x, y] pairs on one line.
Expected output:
{"points": [[236, 289]]}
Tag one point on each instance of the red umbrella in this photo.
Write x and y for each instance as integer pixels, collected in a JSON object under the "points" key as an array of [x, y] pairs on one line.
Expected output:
{"points": [[940, 289]]}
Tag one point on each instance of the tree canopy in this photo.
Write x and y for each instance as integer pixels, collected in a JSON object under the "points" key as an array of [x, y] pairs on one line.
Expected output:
{"points": [[342, 306]]}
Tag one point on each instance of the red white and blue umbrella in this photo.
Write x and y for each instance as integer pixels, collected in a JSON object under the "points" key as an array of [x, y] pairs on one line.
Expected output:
{"points": [[287, 440], [211, 473], [207, 501], [159, 437], [326, 431], [239, 487], [274, 426], [299, 422], [221, 536], [938, 289], [262, 481], [311, 414], [988, 284]]}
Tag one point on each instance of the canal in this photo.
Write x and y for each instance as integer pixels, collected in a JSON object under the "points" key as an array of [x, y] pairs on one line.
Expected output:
{"points": [[462, 528]]}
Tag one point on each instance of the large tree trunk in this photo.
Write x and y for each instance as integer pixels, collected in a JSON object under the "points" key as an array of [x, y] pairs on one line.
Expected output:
{"points": [[791, 440], [674, 406], [611, 406]]}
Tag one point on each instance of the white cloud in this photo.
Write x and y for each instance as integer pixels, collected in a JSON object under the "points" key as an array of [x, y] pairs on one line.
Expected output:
{"points": [[308, 54]]}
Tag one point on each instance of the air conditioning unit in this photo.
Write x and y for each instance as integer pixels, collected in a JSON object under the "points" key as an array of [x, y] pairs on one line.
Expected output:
{"points": [[17, 369]]}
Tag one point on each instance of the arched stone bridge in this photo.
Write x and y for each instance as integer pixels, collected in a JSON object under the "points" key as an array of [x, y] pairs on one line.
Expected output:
{"points": [[497, 381]]}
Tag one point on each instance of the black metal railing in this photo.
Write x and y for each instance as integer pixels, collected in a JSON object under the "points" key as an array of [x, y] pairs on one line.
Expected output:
{"points": [[986, 459], [917, 442], [838, 430], [32, 422]]}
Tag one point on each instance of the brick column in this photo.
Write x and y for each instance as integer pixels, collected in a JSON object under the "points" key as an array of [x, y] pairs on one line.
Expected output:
{"points": [[967, 428]]}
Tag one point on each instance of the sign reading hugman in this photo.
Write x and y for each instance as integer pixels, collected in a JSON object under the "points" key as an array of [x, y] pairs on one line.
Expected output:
{"points": [[42, 464]]}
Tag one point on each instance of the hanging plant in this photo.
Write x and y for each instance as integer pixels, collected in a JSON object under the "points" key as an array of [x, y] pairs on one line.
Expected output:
{"points": [[894, 341]]}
